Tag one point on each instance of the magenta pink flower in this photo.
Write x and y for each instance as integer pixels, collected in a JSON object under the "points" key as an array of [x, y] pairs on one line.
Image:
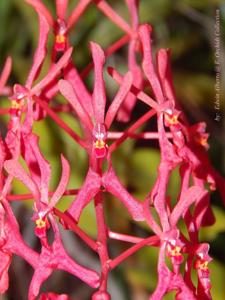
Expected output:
{"points": [[62, 25], [55, 257], [96, 135], [182, 146]]}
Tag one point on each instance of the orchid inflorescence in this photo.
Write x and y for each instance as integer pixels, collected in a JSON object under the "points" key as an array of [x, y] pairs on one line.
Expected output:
{"points": [[181, 145]]}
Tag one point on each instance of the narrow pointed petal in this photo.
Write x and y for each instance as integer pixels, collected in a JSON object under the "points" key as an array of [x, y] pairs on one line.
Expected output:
{"points": [[61, 7], [99, 97], [130, 101], [68, 92], [134, 90], [62, 184], [40, 275], [113, 16], [119, 98], [41, 51], [77, 12], [133, 10], [44, 166], [64, 262], [5, 73], [164, 276], [29, 156], [89, 189], [150, 220], [14, 168], [193, 194], [72, 75], [53, 72], [165, 74], [38, 5], [5, 261], [148, 66], [203, 214], [113, 185]]}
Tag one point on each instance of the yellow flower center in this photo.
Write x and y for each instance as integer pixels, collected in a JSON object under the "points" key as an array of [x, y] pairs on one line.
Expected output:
{"points": [[202, 264], [99, 144], [60, 39], [171, 119], [40, 223], [174, 250], [16, 105], [203, 141]]}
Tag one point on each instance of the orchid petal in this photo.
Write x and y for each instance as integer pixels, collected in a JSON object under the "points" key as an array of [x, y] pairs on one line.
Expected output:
{"points": [[193, 194], [40, 53], [133, 9], [64, 262], [69, 93], [77, 12], [113, 185], [62, 184], [44, 166], [39, 6], [61, 7], [71, 74], [203, 214], [165, 74], [5, 261], [130, 100], [99, 97], [40, 275], [119, 98], [144, 33], [134, 90], [31, 160], [89, 189], [14, 168], [113, 16], [53, 72]]}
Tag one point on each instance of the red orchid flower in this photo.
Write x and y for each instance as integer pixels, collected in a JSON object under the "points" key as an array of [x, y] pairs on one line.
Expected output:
{"points": [[96, 135], [167, 280], [23, 94], [38, 184], [62, 25], [54, 257], [11, 243]]}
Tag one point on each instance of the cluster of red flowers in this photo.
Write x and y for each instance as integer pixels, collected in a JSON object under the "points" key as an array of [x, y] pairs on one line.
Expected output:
{"points": [[180, 144]]}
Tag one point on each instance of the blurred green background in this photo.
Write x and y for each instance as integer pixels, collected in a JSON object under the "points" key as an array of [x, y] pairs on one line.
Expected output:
{"points": [[186, 26]]}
